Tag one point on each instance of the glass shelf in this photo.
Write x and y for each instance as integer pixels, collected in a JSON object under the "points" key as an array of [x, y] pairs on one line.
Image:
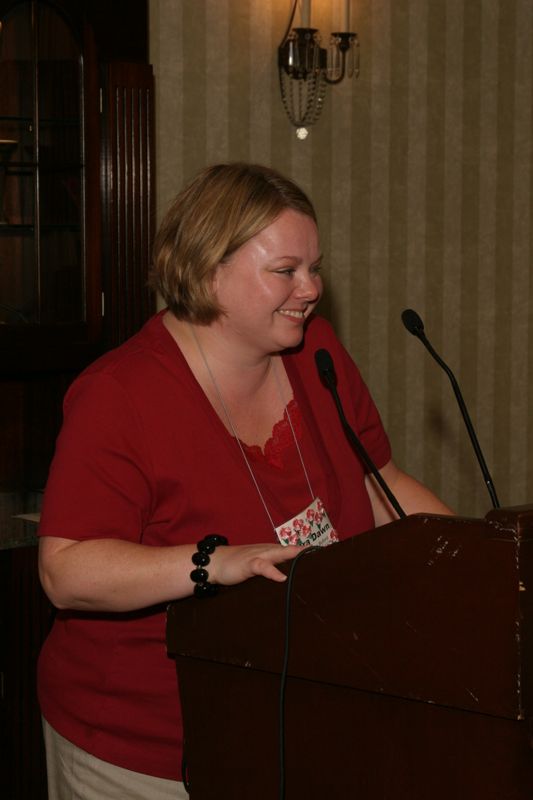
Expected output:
{"points": [[42, 262]]}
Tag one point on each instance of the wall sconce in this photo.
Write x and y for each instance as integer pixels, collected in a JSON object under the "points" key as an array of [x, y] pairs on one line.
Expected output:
{"points": [[306, 68]]}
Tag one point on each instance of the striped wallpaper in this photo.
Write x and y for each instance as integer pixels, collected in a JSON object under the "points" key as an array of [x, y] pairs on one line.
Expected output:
{"points": [[421, 174]]}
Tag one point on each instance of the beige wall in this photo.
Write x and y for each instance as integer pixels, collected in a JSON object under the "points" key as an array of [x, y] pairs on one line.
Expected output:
{"points": [[421, 174]]}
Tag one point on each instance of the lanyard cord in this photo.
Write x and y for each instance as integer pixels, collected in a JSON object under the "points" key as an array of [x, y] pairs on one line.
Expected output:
{"points": [[278, 383], [235, 434]]}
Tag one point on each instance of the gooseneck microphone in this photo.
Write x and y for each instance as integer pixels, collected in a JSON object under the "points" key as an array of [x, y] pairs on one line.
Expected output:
{"points": [[326, 370], [414, 325]]}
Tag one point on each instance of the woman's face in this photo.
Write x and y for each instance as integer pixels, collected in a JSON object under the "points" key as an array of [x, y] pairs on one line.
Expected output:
{"points": [[270, 285]]}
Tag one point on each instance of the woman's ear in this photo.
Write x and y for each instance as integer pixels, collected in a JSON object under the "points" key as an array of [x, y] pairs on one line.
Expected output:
{"points": [[218, 276], [215, 280]]}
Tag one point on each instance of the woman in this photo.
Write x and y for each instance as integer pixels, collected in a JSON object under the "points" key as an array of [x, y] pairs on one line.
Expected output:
{"points": [[211, 420]]}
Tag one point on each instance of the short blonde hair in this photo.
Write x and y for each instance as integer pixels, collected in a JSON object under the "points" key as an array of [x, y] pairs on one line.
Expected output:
{"points": [[221, 209]]}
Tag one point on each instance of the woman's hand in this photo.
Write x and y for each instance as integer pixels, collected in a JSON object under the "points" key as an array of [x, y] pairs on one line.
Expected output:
{"points": [[230, 565]]}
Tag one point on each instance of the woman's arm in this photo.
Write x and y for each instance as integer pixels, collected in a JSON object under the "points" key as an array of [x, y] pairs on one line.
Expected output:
{"points": [[412, 495], [116, 575]]}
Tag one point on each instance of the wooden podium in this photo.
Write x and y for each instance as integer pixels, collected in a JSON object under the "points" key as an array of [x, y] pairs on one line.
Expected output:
{"points": [[410, 672]]}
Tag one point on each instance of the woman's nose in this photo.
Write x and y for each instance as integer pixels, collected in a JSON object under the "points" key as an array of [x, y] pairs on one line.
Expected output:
{"points": [[309, 287]]}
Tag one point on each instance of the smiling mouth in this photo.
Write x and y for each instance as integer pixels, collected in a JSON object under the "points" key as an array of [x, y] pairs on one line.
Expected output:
{"points": [[285, 312]]}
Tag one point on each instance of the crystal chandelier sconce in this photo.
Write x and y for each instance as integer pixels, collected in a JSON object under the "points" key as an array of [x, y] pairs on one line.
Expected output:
{"points": [[305, 68]]}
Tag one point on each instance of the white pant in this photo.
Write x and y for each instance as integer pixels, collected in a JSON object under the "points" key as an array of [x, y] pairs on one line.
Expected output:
{"points": [[74, 774]]}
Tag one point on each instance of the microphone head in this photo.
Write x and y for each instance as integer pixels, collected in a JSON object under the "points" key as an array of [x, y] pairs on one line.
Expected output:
{"points": [[412, 322], [324, 365]]}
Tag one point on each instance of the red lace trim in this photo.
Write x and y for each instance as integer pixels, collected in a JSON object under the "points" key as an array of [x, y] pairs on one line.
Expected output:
{"points": [[281, 440]]}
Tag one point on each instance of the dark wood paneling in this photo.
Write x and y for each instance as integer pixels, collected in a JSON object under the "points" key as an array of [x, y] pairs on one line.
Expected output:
{"points": [[129, 211]]}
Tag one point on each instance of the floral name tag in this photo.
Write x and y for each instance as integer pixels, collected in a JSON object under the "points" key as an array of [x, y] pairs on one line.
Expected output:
{"points": [[311, 527]]}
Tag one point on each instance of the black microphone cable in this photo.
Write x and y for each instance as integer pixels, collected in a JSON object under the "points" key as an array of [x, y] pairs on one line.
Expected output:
{"points": [[415, 326], [285, 666]]}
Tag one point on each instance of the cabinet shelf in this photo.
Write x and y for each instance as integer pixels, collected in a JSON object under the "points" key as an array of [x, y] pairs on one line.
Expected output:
{"points": [[26, 168], [17, 230], [43, 121], [29, 230], [25, 119]]}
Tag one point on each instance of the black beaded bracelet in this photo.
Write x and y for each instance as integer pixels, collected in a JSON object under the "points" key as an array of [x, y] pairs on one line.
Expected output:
{"points": [[200, 575]]}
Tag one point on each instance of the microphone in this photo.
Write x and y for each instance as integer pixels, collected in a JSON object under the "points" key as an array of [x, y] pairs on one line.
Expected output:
{"points": [[414, 325], [326, 370]]}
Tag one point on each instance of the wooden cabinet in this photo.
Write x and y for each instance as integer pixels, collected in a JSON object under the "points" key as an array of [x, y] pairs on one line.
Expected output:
{"points": [[76, 229], [76, 188], [44, 279]]}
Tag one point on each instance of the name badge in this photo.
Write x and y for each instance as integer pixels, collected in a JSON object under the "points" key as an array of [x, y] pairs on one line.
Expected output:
{"points": [[311, 527]]}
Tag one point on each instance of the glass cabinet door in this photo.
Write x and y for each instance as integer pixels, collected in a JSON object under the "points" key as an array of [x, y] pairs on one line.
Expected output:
{"points": [[41, 168]]}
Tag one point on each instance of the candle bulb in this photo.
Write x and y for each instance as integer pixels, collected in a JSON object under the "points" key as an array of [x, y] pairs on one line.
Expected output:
{"points": [[345, 16], [305, 13]]}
